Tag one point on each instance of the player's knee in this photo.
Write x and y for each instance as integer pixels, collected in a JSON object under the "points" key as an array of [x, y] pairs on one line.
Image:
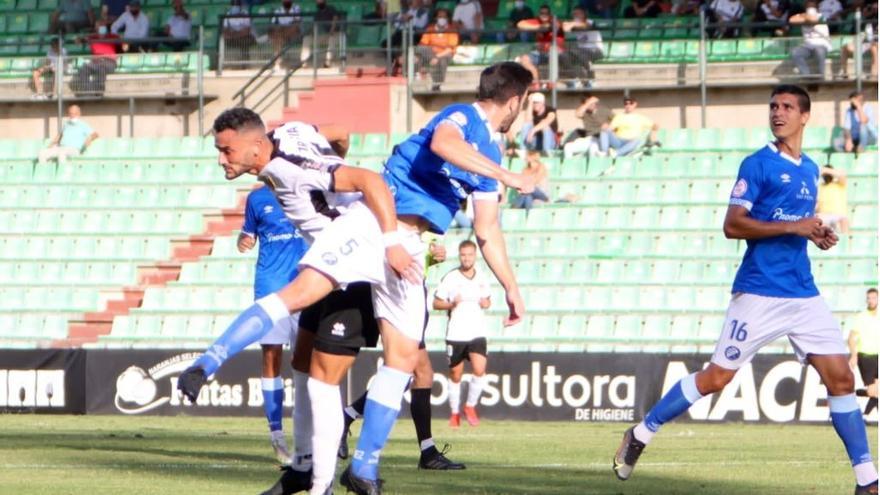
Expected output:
{"points": [[842, 383], [713, 380]]}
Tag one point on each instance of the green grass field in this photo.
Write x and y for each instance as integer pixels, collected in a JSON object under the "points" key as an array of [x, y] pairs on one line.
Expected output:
{"points": [[74, 455]]}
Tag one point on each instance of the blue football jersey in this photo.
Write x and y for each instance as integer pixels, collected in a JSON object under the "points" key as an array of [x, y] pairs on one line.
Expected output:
{"points": [[281, 245], [775, 187], [425, 185]]}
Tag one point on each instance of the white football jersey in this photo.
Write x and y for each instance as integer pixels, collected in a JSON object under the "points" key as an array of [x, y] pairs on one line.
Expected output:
{"points": [[466, 321], [301, 175]]}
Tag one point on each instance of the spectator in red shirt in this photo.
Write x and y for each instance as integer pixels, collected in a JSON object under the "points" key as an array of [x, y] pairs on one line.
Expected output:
{"points": [[544, 37], [91, 77]]}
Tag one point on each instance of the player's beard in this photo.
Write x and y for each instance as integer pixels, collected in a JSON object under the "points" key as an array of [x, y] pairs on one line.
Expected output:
{"points": [[507, 122]]}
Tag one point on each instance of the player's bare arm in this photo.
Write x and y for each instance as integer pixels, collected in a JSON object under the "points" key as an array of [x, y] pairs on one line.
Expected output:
{"points": [[494, 249], [337, 136], [379, 201], [739, 225], [449, 145], [444, 305]]}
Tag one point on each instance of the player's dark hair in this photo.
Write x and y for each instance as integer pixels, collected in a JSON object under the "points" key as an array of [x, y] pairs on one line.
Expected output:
{"points": [[872, 290], [467, 243], [790, 89], [500, 82], [855, 93], [238, 119]]}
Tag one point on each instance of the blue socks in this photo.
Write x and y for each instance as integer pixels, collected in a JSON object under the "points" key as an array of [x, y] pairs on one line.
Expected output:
{"points": [[380, 413], [273, 401], [250, 326], [846, 416], [676, 401]]}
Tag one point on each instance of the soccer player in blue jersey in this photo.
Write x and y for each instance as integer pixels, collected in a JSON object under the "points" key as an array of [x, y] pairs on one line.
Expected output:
{"points": [[771, 207], [281, 248]]}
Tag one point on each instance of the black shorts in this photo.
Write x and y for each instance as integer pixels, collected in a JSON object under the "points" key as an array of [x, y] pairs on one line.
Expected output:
{"points": [[457, 352], [868, 368], [344, 321]]}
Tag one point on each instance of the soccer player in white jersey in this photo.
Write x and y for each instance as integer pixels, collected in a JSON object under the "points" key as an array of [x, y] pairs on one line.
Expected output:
{"points": [[464, 294], [771, 207]]}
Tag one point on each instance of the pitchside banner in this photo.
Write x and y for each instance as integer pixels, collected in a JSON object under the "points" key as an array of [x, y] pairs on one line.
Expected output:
{"points": [[523, 386], [43, 381]]}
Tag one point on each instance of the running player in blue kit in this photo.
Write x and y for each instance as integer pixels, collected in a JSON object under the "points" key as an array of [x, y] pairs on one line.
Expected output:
{"points": [[771, 207], [280, 249]]}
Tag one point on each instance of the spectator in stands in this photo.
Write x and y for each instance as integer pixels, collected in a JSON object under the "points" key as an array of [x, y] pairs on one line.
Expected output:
{"points": [[588, 47], [642, 9], [75, 137], [135, 26], [71, 16], [437, 47], [775, 12], [868, 43], [238, 35], [112, 9], [817, 41], [723, 13], [545, 37], [538, 133], [91, 77], [683, 8], [49, 65], [864, 346], [628, 131], [378, 13], [831, 204], [519, 12], [468, 18], [606, 9], [831, 11], [859, 124], [179, 27], [411, 14], [285, 27], [327, 19], [535, 167], [596, 118]]}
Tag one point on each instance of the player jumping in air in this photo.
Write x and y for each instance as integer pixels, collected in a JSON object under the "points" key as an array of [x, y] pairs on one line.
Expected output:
{"points": [[771, 207], [464, 293], [281, 248]]}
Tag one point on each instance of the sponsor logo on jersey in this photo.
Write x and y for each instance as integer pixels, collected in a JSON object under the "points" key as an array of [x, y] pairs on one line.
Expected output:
{"points": [[805, 192], [779, 214], [268, 209], [785, 178], [740, 188], [338, 329]]}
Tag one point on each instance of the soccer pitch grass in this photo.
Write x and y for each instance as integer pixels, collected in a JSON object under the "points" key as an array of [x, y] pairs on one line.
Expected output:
{"points": [[73, 455]]}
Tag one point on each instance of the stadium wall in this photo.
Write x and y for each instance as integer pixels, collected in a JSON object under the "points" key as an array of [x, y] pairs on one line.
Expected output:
{"points": [[597, 387]]}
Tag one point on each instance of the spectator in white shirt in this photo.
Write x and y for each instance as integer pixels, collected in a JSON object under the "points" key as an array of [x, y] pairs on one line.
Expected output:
{"points": [[831, 10], [135, 26], [48, 67], [468, 17], [179, 27], [238, 33], [775, 11], [817, 41], [725, 12], [588, 47], [285, 26]]}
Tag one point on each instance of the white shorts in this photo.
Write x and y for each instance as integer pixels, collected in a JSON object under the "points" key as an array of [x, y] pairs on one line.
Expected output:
{"points": [[283, 332], [400, 302], [754, 321], [349, 249]]}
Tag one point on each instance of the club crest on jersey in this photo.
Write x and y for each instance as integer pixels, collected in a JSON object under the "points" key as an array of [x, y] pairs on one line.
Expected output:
{"points": [[732, 353], [740, 188]]}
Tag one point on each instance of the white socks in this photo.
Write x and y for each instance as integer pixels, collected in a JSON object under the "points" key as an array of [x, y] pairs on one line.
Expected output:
{"points": [[328, 426], [475, 389], [642, 433], [454, 396], [302, 422]]}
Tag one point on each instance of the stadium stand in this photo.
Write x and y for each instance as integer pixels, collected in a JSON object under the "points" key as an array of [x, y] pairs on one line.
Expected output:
{"points": [[637, 263]]}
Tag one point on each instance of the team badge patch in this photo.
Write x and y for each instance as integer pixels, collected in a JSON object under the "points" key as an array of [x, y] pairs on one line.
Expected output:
{"points": [[459, 118], [732, 353], [740, 188]]}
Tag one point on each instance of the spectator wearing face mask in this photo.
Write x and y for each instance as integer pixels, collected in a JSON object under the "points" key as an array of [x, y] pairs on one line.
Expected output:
{"points": [[519, 12], [178, 27], [285, 26], [75, 137], [437, 47], [539, 130], [817, 41], [545, 38], [468, 19], [91, 77], [135, 27]]}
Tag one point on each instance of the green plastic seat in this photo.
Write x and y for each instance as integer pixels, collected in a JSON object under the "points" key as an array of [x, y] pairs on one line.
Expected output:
{"points": [[39, 22], [722, 50], [375, 144], [647, 51], [17, 23], [621, 51], [673, 51]]}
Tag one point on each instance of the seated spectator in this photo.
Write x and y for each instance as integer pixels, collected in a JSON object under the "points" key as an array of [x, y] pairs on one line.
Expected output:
{"points": [[605, 9], [535, 167], [642, 9], [538, 133], [411, 14], [437, 47], [544, 37], [75, 137], [831, 204], [135, 27], [868, 43], [683, 8], [772, 11], [588, 47], [71, 16], [238, 33], [327, 19], [179, 27], [859, 124], [91, 77], [832, 11], [285, 27], [112, 9], [628, 131], [596, 118], [724, 12], [817, 41], [378, 13], [468, 18], [519, 12], [48, 67]]}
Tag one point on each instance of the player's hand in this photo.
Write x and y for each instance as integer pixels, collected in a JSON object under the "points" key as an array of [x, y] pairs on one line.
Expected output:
{"points": [[485, 302], [516, 307], [826, 240], [809, 227], [403, 264], [245, 243], [522, 183]]}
